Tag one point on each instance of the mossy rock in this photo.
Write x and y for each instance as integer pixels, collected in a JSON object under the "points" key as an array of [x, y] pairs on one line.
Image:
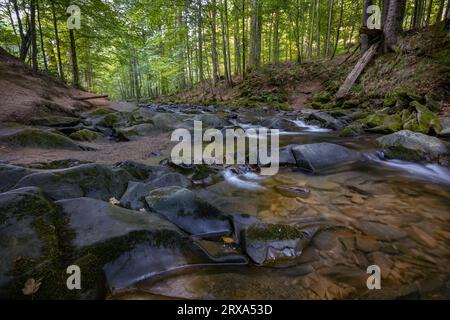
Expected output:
{"points": [[29, 137], [10, 175], [323, 97], [317, 105], [90, 180], [389, 124], [432, 104], [271, 244], [85, 135], [352, 130], [34, 245], [427, 121], [413, 146], [101, 112], [112, 120], [55, 121], [186, 210]]}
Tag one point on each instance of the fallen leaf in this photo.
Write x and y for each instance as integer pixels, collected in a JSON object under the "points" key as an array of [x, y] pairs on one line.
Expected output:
{"points": [[31, 287], [227, 240]]}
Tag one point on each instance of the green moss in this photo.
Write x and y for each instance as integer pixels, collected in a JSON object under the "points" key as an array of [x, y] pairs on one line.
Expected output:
{"points": [[427, 121], [101, 112], [85, 135], [38, 138], [280, 232]]}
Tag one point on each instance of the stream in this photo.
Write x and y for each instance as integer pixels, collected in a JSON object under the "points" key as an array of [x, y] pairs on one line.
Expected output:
{"points": [[390, 213]]}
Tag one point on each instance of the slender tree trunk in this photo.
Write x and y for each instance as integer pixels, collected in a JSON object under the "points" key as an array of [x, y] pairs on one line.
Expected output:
{"points": [[318, 29], [215, 56], [255, 35], [244, 40], [24, 37], [44, 56], [330, 24], [276, 38], [297, 31], [303, 27], [58, 47], [73, 57], [237, 40], [227, 36], [200, 41], [311, 27], [338, 29], [33, 35], [430, 9], [394, 23], [365, 17], [440, 11]]}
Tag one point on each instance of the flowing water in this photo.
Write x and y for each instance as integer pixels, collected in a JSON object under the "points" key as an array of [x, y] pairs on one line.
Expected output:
{"points": [[393, 214]]}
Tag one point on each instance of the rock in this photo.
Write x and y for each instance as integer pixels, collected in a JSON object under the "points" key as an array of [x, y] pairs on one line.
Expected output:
{"points": [[286, 157], [292, 191], [241, 221], [380, 231], [280, 124], [28, 137], [87, 180], [187, 211], [55, 121], [141, 171], [427, 121], [211, 121], [128, 246], [366, 244], [384, 123], [29, 243], [57, 164], [412, 146], [352, 130], [85, 135], [270, 244], [319, 157], [10, 175], [423, 238], [327, 120], [143, 129], [134, 197], [445, 123], [166, 121]]}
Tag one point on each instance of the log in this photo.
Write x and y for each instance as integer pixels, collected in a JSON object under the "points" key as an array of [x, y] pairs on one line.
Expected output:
{"points": [[357, 70], [90, 98]]}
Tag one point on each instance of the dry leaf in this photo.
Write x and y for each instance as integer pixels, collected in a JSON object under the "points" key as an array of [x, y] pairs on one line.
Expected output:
{"points": [[227, 240], [31, 287]]}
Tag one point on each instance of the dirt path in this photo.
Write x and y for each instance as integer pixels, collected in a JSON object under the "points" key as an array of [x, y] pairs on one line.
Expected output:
{"points": [[106, 152], [299, 95]]}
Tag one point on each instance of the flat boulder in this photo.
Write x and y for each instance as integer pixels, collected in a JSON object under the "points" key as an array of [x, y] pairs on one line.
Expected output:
{"points": [[134, 197], [10, 175], [28, 238], [87, 180], [318, 157], [127, 246], [272, 244], [412, 146], [31, 137], [190, 213], [55, 121]]}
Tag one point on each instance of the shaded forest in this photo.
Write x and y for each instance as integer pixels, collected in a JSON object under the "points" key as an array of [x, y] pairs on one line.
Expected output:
{"points": [[145, 49]]}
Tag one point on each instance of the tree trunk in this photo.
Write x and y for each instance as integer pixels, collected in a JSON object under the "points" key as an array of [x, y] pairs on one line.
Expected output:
{"points": [[440, 11], [357, 70], [318, 28], [394, 23], [215, 56], [58, 47], [338, 29], [44, 56], [365, 17], [255, 35], [276, 38], [237, 40], [33, 35], [200, 41], [244, 40], [73, 57], [227, 36], [330, 24]]}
